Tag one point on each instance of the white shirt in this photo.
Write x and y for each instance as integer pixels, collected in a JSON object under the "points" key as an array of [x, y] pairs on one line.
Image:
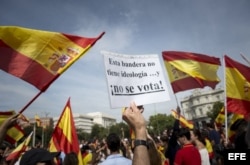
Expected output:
{"points": [[204, 156]]}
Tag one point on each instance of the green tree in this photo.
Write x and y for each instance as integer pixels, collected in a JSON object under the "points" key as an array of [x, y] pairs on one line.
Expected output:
{"points": [[82, 135], [215, 110], [158, 123], [120, 129], [98, 131]]}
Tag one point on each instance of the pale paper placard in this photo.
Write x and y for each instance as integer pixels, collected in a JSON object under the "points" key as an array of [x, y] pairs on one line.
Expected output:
{"points": [[138, 78]]}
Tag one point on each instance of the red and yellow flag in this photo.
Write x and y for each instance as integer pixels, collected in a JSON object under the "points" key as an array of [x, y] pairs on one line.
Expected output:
{"points": [[64, 137], [15, 154], [220, 119], [233, 118], [191, 70], [39, 57], [15, 133], [183, 121], [237, 87], [38, 121]]}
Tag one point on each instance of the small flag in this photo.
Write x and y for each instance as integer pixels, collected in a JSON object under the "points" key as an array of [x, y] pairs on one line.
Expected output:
{"points": [[15, 133], [183, 121], [220, 119], [15, 154]]}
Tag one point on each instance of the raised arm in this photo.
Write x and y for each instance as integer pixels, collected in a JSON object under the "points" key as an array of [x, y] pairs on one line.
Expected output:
{"points": [[133, 116]]}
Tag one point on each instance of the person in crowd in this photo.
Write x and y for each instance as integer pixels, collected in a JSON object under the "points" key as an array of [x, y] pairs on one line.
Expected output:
{"points": [[240, 128], [70, 159], [155, 154], [173, 144], [214, 137], [247, 138], [200, 143], [188, 154], [133, 116], [164, 139], [86, 155], [114, 144], [204, 133], [39, 156]]}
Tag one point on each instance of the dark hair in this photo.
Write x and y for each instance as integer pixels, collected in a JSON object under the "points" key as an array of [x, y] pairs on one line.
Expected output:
{"points": [[113, 142], [70, 159], [184, 132], [201, 138]]}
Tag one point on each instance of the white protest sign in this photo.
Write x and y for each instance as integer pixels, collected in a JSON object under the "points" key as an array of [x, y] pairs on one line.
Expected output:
{"points": [[136, 78]]}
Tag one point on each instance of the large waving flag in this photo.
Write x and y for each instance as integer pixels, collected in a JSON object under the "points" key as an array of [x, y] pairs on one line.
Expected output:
{"points": [[64, 137], [15, 154], [237, 87], [15, 133], [183, 121], [39, 57], [191, 70]]}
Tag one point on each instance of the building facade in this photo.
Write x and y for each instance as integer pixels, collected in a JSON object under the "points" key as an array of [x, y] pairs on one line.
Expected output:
{"points": [[196, 106], [85, 122], [82, 122], [102, 119], [45, 121]]}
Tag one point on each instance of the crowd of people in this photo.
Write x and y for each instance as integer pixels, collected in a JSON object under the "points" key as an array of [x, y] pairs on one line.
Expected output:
{"points": [[175, 146]]}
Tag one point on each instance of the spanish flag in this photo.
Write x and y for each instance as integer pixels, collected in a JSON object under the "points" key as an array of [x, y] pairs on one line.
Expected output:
{"points": [[220, 119], [15, 154], [183, 121], [39, 57], [237, 87], [15, 133], [64, 137], [188, 70]]}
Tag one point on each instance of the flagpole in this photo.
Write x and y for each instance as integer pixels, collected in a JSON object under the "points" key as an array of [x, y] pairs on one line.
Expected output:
{"points": [[31, 101], [179, 105], [42, 136], [34, 135], [225, 99]]}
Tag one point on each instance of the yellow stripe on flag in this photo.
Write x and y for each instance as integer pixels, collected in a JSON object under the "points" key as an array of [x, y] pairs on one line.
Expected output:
{"points": [[41, 46], [15, 133], [193, 68], [220, 119], [15, 154], [39, 57], [237, 87]]}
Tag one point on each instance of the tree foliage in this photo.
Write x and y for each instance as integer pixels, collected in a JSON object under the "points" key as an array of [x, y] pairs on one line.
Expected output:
{"points": [[120, 129], [98, 131], [158, 123], [215, 110]]}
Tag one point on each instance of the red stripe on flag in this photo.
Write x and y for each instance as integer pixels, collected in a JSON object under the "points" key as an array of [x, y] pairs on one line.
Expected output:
{"points": [[243, 69], [81, 41], [238, 106], [191, 83], [17, 64], [178, 55]]}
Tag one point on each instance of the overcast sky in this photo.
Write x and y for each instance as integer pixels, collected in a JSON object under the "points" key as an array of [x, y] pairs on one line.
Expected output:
{"points": [[210, 27]]}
